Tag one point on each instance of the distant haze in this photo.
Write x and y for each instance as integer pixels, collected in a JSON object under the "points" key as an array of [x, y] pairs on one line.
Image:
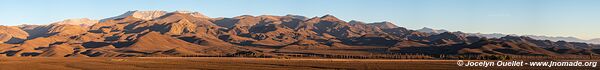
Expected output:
{"points": [[576, 18]]}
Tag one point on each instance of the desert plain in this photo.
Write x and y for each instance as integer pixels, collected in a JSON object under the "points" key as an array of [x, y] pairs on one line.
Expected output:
{"points": [[237, 63]]}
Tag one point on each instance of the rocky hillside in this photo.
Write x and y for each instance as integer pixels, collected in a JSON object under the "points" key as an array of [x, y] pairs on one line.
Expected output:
{"points": [[183, 33]]}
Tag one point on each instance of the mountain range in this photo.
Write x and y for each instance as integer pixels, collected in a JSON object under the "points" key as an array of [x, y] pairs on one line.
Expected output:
{"points": [[499, 35], [184, 33]]}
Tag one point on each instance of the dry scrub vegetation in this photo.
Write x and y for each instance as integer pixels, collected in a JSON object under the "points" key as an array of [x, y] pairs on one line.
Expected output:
{"points": [[219, 63]]}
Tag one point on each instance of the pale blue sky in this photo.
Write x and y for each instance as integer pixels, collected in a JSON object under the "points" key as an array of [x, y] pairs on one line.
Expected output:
{"points": [[578, 18]]}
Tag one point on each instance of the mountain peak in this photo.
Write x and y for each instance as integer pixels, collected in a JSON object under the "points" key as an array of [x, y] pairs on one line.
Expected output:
{"points": [[355, 22], [77, 21], [329, 17], [508, 37], [183, 11], [153, 14], [426, 28], [384, 25], [297, 16], [145, 15], [431, 30], [194, 14]]}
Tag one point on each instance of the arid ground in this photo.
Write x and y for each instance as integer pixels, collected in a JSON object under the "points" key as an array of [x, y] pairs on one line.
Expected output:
{"points": [[219, 63]]}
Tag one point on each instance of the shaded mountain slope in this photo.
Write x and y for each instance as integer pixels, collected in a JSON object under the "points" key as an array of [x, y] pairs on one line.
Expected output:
{"points": [[182, 33]]}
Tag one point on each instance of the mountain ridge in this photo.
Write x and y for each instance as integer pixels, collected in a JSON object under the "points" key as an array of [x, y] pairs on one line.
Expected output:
{"points": [[498, 35], [182, 33]]}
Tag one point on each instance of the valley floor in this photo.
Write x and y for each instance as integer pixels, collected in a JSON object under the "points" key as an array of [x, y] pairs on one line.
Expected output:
{"points": [[232, 63]]}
